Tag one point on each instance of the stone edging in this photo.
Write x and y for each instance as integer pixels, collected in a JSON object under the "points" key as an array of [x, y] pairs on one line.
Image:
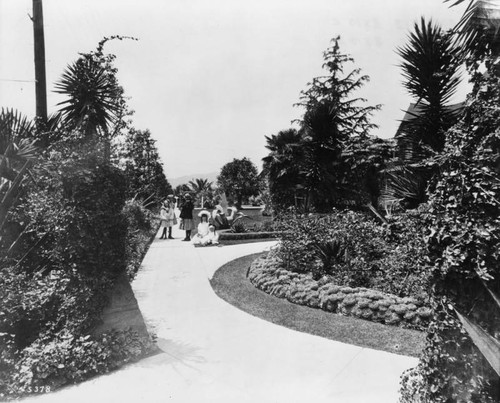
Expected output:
{"points": [[266, 274]]}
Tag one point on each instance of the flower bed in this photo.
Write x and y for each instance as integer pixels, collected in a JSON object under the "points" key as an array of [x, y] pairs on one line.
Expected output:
{"points": [[267, 274]]}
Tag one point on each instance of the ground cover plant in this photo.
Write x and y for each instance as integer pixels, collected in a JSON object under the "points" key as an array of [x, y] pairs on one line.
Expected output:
{"points": [[267, 274]]}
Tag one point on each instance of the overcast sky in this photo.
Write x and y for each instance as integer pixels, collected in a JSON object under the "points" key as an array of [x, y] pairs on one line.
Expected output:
{"points": [[211, 78]]}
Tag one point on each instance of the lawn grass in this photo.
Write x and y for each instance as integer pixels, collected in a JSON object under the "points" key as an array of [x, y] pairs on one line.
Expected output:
{"points": [[230, 284]]}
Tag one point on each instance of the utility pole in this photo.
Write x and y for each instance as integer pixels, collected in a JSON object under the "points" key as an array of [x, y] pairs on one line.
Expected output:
{"points": [[41, 83]]}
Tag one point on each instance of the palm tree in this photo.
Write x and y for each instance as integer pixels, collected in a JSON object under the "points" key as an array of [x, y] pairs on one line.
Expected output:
{"points": [[430, 68], [201, 187], [282, 166]]}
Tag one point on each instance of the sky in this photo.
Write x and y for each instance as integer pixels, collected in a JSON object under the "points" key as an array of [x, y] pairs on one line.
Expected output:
{"points": [[211, 78]]}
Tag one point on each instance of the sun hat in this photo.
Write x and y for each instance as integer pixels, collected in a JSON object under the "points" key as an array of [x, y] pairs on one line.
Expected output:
{"points": [[204, 212], [187, 195]]}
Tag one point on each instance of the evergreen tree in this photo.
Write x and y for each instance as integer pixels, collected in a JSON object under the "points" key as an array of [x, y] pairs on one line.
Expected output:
{"points": [[333, 117]]}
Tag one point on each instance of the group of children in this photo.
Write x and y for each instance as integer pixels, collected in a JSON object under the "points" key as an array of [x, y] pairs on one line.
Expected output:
{"points": [[206, 230]]}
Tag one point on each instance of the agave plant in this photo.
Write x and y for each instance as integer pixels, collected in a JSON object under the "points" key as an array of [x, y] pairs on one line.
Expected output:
{"points": [[486, 343]]}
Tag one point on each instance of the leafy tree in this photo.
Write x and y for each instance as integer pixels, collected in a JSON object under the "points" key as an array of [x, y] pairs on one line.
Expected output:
{"points": [[283, 166], [143, 167], [239, 179], [430, 64], [332, 117]]}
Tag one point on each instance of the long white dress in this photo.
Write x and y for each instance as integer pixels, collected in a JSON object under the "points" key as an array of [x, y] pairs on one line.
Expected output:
{"points": [[202, 232]]}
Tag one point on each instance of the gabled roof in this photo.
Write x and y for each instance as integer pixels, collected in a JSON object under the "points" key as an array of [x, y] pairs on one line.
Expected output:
{"points": [[415, 110]]}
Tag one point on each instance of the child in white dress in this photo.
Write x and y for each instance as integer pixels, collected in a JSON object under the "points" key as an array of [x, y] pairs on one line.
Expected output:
{"points": [[202, 229]]}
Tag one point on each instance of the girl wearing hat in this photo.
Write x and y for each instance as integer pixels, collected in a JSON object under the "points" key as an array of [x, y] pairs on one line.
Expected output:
{"points": [[186, 216]]}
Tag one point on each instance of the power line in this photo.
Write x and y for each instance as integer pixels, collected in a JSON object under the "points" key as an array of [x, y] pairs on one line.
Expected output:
{"points": [[17, 81]]}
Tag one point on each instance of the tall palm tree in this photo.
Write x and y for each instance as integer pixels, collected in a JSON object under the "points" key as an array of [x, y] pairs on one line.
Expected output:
{"points": [[430, 64]]}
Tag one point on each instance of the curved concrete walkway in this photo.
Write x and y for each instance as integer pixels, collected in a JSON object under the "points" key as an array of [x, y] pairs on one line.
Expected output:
{"points": [[213, 352]]}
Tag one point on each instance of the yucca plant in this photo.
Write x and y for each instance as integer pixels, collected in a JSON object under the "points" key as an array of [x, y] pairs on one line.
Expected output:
{"points": [[329, 252], [430, 64]]}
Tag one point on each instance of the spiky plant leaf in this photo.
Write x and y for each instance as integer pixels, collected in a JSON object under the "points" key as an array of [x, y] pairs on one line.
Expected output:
{"points": [[487, 344]]}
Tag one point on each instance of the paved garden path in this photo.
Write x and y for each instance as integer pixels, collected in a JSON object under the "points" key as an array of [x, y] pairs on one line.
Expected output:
{"points": [[213, 352]]}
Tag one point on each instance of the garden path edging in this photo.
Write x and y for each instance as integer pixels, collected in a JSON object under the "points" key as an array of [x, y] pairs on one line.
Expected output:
{"points": [[266, 274]]}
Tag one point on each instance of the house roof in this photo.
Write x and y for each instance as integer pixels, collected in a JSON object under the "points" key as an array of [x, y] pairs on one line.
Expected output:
{"points": [[415, 110]]}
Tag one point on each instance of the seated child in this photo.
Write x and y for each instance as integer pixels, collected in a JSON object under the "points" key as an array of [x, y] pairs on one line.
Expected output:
{"points": [[212, 238], [202, 229]]}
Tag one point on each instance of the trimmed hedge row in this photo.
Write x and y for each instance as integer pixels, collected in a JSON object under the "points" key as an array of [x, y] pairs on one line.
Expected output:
{"points": [[267, 274]]}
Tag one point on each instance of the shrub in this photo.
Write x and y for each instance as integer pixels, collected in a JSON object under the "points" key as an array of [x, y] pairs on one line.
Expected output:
{"points": [[357, 252], [53, 361], [140, 232], [56, 277], [238, 227]]}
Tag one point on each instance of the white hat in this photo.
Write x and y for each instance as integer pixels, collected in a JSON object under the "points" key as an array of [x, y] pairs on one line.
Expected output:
{"points": [[204, 212]]}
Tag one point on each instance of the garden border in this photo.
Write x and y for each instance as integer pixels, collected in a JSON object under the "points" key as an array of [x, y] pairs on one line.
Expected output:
{"points": [[266, 274]]}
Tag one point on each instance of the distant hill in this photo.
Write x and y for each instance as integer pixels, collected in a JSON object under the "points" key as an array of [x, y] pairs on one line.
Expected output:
{"points": [[211, 176]]}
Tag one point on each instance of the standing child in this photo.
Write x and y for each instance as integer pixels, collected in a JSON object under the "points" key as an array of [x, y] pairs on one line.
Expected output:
{"points": [[186, 216], [163, 220], [171, 220]]}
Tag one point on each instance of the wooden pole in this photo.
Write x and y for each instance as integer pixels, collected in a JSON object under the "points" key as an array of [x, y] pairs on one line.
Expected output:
{"points": [[40, 78]]}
